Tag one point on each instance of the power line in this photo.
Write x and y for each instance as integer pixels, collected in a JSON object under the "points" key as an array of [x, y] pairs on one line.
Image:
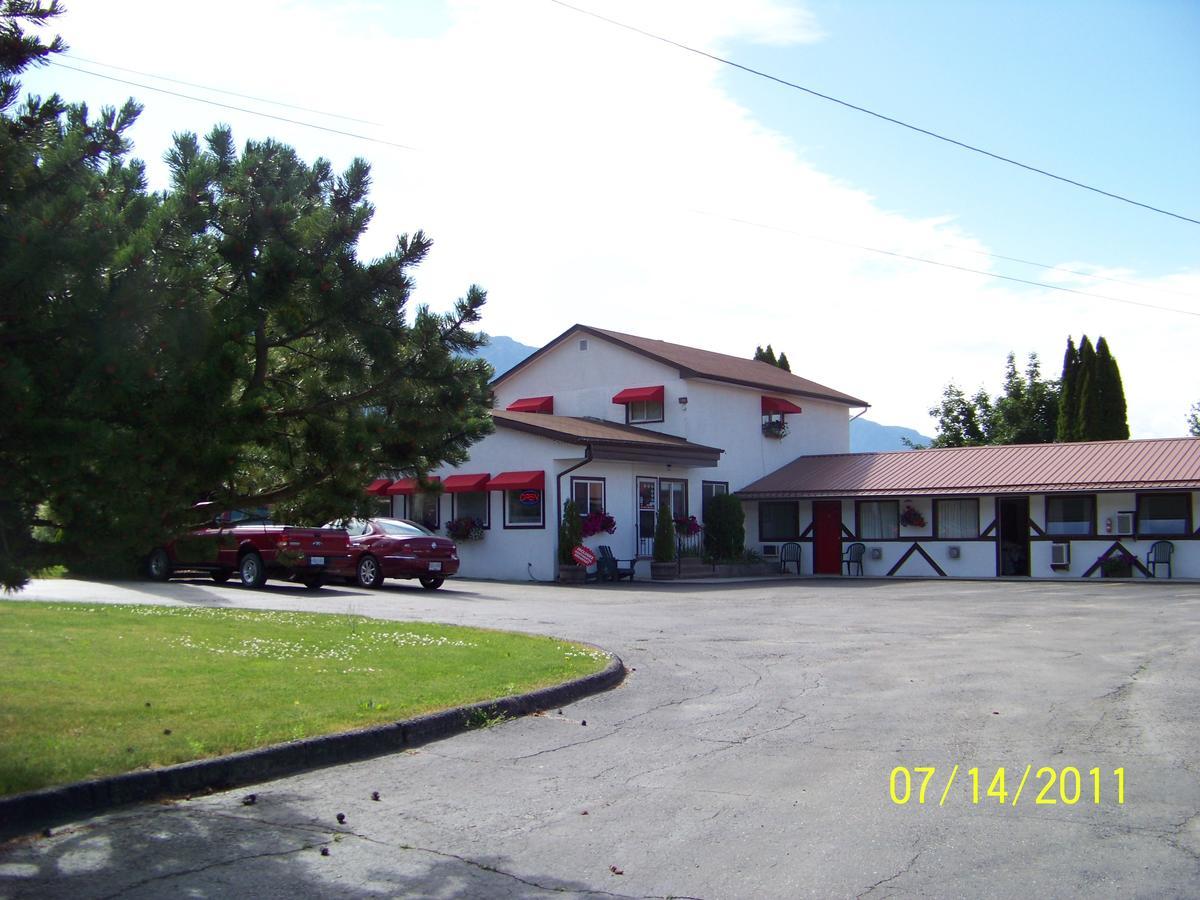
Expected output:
{"points": [[1038, 265], [946, 265], [870, 112], [253, 112], [205, 87]]}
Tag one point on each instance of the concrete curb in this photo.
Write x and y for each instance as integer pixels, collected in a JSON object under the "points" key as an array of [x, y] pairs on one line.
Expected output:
{"points": [[29, 812]]}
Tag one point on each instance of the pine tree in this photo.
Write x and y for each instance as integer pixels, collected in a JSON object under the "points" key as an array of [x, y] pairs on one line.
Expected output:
{"points": [[783, 363], [768, 356], [1068, 396], [1113, 421], [1193, 420]]}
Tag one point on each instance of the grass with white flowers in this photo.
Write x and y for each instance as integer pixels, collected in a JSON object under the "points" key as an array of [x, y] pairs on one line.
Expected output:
{"points": [[93, 690]]}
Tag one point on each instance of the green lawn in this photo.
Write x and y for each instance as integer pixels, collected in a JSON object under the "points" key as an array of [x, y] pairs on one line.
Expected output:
{"points": [[91, 690]]}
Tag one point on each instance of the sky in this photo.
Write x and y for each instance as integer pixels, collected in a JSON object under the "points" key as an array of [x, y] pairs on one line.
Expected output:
{"points": [[581, 172]]}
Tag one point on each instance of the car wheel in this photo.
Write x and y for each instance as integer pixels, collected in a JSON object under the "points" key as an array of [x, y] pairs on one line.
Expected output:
{"points": [[432, 584], [158, 566], [251, 570], [220, 576], [313, 582], [370, 575]]}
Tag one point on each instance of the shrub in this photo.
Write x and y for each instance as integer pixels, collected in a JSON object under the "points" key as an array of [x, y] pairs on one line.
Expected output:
{"points": [[725, 527], [664, 536], [570, 533]]}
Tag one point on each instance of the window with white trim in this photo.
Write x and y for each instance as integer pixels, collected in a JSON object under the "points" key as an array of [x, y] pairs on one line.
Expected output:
{"points": [[639, 411], [1163, 513], [524, 508]]}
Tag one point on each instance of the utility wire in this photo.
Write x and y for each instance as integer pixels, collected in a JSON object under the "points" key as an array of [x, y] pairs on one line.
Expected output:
{"points": [[946, 265], [1038, 265], [205, 87], [869, 112], [253, 112], [728, 218]]}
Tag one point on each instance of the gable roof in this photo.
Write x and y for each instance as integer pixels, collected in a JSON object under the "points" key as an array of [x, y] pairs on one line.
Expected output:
{"points": [[694, 363], [1156, 464], [610, 440]]}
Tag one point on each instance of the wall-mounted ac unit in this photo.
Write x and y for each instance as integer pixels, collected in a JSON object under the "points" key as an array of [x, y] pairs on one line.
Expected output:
{"points": [[954, 551], [876, 553], [770, 550], [1060, 554], [1125, 522]]}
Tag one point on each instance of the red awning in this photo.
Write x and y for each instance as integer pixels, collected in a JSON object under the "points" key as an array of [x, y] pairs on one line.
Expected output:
{"points": [[772, 405], [629, 395], [533, 405], [378, 486], [518, 481], [461, 484], [410, 485]]}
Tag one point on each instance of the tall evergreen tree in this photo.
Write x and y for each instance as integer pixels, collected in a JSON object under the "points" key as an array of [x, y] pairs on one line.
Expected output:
{"points": [[1088, 412], [1068, 397], [1193, 420], [1113, 424], [767, 356], [783, 363]]}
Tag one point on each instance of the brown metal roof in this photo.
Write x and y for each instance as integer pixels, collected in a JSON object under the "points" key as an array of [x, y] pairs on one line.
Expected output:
{"points": [[1010, 469], [694, 363], [609, 440]]}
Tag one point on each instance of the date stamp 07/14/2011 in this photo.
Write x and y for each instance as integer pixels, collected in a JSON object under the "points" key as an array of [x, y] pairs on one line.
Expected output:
{"points": [[1051, 786]]}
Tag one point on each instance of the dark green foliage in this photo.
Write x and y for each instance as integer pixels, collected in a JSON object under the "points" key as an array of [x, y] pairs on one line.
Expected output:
{"points": [[962, 421], [1068, 400], [664, 536], [1193, 420], [1113, 422], [1024, 413], [768, 356], [570, 533], [725, 527], [219, 341], [1094, 409]]}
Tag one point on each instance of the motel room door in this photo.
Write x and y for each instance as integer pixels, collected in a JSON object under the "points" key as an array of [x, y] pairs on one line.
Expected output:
{"points": [[827, 537]]}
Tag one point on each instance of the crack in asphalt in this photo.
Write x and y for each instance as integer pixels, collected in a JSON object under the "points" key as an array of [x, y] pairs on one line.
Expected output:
{"points": [[903, 871]]}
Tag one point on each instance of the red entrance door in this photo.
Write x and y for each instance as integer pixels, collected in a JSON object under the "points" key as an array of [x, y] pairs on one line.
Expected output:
{"points": [[827, 537]]}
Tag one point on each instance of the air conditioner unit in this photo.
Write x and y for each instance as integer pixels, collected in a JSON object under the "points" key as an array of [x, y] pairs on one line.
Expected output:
{"points": [[1125, 522], [1060, 554], [770, 550]]}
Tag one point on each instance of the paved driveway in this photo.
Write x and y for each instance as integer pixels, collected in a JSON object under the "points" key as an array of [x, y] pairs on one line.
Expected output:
{"points": [[747, 755]]}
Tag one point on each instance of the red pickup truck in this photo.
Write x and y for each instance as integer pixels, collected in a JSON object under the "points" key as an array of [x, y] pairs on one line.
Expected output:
{"points": [[256, 551]]}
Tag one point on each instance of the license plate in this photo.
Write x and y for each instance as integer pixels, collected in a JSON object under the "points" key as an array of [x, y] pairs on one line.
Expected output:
{"points": [[316, 560], [435, 567]]}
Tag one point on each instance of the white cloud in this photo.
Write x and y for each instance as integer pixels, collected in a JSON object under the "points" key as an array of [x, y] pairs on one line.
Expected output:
{"points": [[580, 172]]}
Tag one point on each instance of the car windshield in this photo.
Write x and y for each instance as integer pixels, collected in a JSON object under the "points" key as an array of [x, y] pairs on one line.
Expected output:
{"points": [[402, 528]]}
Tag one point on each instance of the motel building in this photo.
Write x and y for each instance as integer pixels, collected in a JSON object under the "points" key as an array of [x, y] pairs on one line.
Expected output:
{"points": [[623, 424]]}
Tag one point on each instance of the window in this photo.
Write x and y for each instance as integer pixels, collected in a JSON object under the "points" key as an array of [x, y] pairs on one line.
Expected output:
{"points": [[402, 529], [778, 520], [956, 519], [471, 504], [588, 494], [644, 411], [524, 508], [1163, 513], [423, 507], [1070, 515], [879, 520], [708, 490]]}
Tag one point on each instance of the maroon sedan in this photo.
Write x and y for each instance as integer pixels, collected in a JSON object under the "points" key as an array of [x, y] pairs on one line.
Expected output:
{"points": [[398, 548]]}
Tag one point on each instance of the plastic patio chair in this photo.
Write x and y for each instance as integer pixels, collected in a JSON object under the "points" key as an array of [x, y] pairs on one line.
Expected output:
{"points": [[789, 553], [853, 557], [1159, 555]]}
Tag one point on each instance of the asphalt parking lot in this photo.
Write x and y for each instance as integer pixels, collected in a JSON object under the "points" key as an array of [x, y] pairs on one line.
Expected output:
{"points": [[750, 753]]}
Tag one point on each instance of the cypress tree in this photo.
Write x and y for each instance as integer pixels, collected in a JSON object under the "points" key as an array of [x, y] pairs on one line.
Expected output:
{"points": [[1068, 398], [783, 362], [1113, 421], [1088, 413]]}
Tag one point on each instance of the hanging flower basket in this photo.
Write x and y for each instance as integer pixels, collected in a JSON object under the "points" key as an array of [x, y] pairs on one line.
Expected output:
{"points": [[465, 529], [775, 429], [1117, 565], [912, 518], [597, 521], [688, 526]]}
